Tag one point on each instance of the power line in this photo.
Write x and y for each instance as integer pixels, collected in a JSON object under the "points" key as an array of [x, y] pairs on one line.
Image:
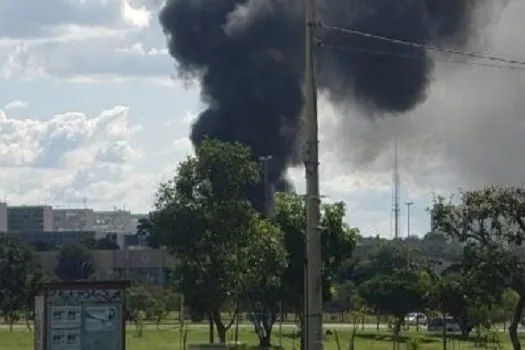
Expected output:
{"points": [[422, 46], [416, 57]]}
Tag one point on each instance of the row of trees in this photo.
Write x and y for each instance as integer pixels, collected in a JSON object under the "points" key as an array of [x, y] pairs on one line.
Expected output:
{"points": [[231, 257], [21, 275], [228, 255], [394, 279]]}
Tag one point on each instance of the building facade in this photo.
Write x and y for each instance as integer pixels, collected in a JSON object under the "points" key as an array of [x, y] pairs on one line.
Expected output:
{"points": [[114, 221], [73, 219], [44, 240], [30, 218], [140, 265], [3, 217]]}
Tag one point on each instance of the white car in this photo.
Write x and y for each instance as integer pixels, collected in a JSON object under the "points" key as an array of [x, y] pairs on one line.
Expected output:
{"points": [[416, 318]]}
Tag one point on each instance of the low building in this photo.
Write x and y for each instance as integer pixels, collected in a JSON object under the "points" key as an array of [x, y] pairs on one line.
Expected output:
{"points": [[30, 218], [52, 239], [144, 265]]}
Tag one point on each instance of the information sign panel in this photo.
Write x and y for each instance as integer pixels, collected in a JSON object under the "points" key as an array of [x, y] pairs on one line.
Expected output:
{"points": [[81, 316]]}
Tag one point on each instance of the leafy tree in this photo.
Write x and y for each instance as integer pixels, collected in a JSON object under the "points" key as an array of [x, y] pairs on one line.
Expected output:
{"points": [[144, 230], [459, 295], [491, 222], [36, 278], [74, 262], [396, 294], [18, 280], [438, 245], [385, 258], [338, 241], [100, 244], [204, 217], [262, 277], [41, 246], [509, 299], [139, 301]]}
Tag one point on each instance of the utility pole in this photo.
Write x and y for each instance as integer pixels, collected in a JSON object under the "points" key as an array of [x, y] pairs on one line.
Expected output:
{"points": [[264, 161], [408, 204], [313, 289]]}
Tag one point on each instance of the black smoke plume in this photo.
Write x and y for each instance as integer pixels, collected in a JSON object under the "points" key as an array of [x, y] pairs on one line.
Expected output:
{"points": [[248, 57]]}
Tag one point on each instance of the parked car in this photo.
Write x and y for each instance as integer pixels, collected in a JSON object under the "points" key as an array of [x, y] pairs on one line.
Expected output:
{"points": [[415, 318], [436, 325]]}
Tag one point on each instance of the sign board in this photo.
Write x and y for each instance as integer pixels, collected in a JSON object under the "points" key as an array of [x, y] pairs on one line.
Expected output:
{"points": [[81, 316]]}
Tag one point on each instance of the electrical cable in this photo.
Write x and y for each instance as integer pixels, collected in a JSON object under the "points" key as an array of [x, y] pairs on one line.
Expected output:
{"points": [[422, 46], [416, 57]]}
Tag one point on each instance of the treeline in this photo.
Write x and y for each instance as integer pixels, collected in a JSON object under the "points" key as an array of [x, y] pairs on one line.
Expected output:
{"points": [[230, 258]]}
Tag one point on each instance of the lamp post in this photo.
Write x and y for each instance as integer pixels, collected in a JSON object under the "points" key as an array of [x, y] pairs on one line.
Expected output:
{"points": [[265, 160], [408, 204]]}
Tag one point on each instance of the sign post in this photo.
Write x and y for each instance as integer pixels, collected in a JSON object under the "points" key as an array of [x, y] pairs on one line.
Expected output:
{"points": [[87, 315]]}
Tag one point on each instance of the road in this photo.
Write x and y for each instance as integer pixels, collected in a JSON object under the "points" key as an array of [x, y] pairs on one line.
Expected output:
{"points": [[286, 326]]}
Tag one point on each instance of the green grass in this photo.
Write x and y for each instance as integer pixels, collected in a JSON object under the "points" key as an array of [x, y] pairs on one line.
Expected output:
{"points": [[169, 339]]}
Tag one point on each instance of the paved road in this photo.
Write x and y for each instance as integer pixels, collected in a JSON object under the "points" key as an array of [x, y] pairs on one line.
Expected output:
{"points": [[287, 326]]}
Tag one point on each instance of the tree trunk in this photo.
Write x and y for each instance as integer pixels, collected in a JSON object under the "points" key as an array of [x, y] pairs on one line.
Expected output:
{"points": [[398, 323], [211, 327], [302, 332], [265, 341], [513, 327], [221, 328]]}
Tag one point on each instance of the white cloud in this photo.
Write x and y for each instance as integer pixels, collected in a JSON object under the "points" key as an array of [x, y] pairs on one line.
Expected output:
{"points": [[182, 145], [139, 17], [31, 142], [16, 104], [87, 41], [71, 156], [29, 20]]}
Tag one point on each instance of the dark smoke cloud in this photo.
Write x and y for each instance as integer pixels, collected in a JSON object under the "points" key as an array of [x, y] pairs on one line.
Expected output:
{"points": [[248, 57]]}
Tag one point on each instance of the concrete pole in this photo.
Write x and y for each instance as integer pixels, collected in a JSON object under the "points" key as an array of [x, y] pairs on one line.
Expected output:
{"points": [[408, 204], [313, 289], [264, 161]]}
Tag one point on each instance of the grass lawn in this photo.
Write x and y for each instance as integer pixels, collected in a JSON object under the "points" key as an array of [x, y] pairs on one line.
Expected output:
{"points": [[169, 339]]}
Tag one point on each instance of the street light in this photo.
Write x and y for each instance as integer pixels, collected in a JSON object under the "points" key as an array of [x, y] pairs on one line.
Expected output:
{"points": [[408, 204], [265, 160]]}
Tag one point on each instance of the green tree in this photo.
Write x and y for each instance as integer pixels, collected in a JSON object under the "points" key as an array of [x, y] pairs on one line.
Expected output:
{"points": [[18, 269], [396, 294], [458, 294], [204, 217], [385, 258], [509, 299], [491, 223], [144, 230], [139, 302], [100, 244], [262, 277], [338, 241], [74, 262]]}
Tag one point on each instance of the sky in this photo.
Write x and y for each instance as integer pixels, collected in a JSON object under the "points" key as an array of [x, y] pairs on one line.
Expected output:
{"points": [[91, 112]]}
